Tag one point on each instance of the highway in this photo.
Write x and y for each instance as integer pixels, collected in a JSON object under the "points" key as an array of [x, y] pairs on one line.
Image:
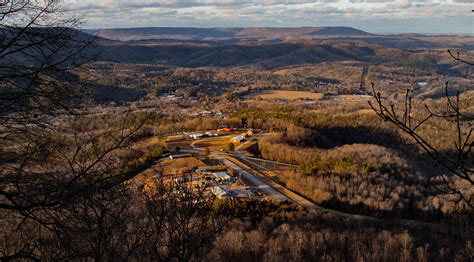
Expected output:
{"points": [[262, 179], [253, 180], [255, 177], [265, 179]]}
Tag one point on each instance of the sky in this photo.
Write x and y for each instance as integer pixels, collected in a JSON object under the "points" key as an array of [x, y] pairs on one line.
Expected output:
{"points": [[375, 16]]}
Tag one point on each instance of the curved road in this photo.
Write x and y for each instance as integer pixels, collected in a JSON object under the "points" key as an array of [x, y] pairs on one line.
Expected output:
{"points": [[256, 178], [267, 185]]}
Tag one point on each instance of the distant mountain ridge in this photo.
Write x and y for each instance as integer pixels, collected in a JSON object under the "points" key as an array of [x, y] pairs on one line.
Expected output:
{"points": [[183, 33], [264, 46]]}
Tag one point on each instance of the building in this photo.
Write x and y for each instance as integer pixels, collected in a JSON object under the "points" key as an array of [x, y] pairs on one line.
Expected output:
{"points": [[423, 84], [226, 129], [196, 135], [220, 192], [209, 133], [202, 169], [174, 138], [237, 139], [223, 177]]}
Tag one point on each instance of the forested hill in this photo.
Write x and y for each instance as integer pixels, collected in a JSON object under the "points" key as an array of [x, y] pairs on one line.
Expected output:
{"points": [[268, 47], [127, 34]]}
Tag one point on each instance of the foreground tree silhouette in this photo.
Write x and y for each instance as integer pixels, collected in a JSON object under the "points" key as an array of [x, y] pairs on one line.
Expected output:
{"points": [[458, 164], [39, 46], [62, 192]]}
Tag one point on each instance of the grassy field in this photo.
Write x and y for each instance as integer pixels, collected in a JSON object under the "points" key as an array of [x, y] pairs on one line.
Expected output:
{"points": [[350, 98], [180, 165], [172, 138], [215, 144], [287, 95]]}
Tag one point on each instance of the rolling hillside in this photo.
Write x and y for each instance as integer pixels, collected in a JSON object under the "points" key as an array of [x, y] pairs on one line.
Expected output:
{"points": [[149, 36], [272, 55], [128, 34]]}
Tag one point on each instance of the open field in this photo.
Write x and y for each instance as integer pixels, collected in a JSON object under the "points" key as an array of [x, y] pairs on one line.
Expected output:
{"points": [[215, 144], [282, 94], [352, 97], [173, 138], [180, 165]]}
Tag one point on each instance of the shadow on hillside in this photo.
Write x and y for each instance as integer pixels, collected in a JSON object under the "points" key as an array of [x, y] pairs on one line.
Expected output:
{"points": [[119, 95], [433, 168], [270, 55], [361, 135], [407, 213]]}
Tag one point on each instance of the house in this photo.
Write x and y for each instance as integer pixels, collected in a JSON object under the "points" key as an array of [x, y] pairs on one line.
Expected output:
{"points": [[237, 139]]}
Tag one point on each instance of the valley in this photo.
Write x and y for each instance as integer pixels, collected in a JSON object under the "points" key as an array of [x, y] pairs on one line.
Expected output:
{"points": [[239, 144]]}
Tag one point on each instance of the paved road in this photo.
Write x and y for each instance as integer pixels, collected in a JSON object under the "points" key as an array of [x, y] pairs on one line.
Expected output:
{"points": [[253, 180], [270, 187], [265, 179], [256, 178]]}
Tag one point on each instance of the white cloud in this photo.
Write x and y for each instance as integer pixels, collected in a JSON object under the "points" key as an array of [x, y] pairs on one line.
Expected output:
{"points": [[209, 13]]}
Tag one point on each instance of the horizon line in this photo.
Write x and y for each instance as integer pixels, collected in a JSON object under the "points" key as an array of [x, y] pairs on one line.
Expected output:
{"points": [[280, 27]]}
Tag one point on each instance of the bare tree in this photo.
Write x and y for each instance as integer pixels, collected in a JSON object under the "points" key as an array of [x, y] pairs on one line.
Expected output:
{"points": [[43, 160], [63, 193], [458, 58], [181, 224], [39, 45], [45, 165], [459, 163]]}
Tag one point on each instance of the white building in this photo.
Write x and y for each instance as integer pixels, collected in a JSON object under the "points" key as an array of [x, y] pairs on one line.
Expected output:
{"points": [[209, 133], [220, 192], [223, 177], [237, 139], [196, 135]]}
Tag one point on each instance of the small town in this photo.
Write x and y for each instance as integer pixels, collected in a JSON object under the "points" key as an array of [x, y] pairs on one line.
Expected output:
{"points": [[225, 173]]}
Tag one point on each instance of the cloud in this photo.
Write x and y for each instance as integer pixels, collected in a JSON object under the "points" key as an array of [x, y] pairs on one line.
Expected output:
{"points": [[210, 13]]}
